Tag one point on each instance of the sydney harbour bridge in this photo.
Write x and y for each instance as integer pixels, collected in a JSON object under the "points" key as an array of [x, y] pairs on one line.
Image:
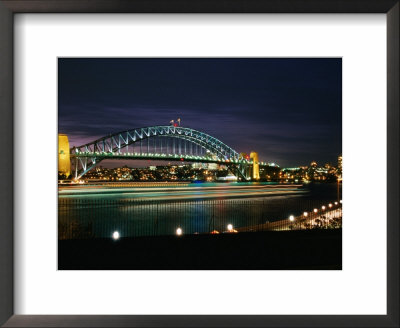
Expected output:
{"points": [[163, 143]]}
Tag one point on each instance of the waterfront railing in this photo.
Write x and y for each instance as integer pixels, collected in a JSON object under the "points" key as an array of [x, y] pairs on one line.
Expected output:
{"points": [[86, 218]]}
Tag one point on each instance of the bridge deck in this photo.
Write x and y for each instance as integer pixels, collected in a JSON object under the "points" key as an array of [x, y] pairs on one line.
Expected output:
{"points": [[161, 156]]}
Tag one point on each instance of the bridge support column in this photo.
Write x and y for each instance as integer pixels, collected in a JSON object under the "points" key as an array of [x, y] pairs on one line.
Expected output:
{"points": [[64, 161], [255, 168]]}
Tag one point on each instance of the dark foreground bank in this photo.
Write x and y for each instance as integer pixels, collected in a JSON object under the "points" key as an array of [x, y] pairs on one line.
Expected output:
{"points": [[272, 250]]}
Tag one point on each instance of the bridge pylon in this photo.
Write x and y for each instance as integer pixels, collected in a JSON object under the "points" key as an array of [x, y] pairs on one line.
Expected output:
{"points": [[255, 167], [64, 162]]}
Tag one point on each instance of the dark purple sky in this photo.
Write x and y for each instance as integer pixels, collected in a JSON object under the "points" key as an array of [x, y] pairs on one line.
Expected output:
{"points": [[288, 110]]}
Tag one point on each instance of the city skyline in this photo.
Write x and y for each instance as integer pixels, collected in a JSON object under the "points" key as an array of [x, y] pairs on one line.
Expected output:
{"points": [[288, 110]]}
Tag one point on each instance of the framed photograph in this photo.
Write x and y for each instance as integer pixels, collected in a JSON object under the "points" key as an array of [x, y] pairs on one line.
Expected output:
{"points": [[199, 164], [168, 195]]}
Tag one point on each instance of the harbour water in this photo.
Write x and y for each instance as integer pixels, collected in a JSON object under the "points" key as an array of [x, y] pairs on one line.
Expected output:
{"points": [[131, 210]]}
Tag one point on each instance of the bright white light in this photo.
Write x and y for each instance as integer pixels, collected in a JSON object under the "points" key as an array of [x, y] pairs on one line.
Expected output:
{"points": [[323, 207], [330, 205], [336, 203], [291, 218], [115, 235], [305, 213], [340, 201], [230, 227], [179, 232], [315, 210]]}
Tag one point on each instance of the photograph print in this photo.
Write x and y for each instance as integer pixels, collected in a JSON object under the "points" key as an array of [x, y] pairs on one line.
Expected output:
{"points": [[199, 163]]}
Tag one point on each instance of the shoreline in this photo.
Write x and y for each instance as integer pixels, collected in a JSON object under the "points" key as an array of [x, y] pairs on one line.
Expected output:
{"points": [[322, 219]]}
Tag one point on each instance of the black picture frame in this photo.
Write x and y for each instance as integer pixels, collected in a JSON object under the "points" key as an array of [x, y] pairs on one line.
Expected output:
{"points": [[10, 7]]}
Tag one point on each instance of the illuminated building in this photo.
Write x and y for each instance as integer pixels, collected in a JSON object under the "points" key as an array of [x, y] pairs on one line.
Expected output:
{"points": [[64, 163], [199, 165]]}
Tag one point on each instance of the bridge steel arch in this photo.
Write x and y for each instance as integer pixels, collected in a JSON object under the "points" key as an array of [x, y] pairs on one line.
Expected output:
{"points": [[89, 155]]}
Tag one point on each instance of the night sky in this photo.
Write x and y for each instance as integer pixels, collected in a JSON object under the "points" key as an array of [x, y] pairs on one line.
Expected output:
{"points": [[288, 110]]}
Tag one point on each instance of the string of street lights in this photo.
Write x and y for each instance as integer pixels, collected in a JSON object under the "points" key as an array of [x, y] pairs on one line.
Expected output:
{"points": [[230, 229]]}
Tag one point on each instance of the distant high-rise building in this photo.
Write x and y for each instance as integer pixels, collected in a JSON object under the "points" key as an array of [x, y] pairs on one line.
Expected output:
{"points": [[340, 166], [64, 163]]}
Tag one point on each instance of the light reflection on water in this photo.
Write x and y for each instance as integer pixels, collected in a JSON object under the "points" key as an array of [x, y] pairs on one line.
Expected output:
{"points": [[100, 215]]}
